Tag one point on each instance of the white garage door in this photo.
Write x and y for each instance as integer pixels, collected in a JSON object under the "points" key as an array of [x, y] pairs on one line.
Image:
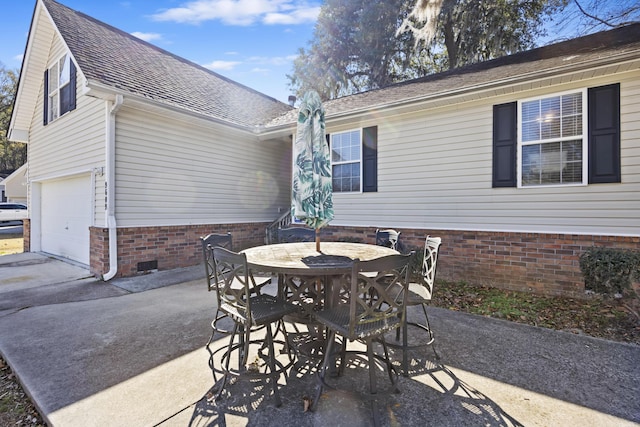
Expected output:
{"points": [[66, 217]]}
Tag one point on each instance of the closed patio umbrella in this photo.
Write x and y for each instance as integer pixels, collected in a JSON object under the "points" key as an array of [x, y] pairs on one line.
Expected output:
{"points": [[311, 199]]}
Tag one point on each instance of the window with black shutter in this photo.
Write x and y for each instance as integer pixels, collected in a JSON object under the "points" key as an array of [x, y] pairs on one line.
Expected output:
{"points": [[565, 139], [59, 89], [354, 160]]}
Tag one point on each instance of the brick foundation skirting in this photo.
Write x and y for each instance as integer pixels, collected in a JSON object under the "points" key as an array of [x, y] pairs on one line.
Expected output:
{"points": [[168, 246], [540, 263], [531, 262], [26, 235]]}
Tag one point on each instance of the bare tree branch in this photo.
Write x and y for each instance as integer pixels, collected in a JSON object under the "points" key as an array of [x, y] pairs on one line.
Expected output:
{"points": [[595, 18]]}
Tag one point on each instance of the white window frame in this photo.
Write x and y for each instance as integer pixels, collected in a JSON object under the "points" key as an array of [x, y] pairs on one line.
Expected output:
{"points": [[61, 81], [359, 161], [584, 137]]}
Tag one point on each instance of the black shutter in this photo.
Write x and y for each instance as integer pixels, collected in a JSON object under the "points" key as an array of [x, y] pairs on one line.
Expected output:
{"points": [[604, 134], [45, 118], [72, 85], [370, 159], [68, 92], [505, 142]]}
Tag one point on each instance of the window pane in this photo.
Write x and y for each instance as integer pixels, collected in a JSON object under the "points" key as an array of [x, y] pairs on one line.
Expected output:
{"points": [[550, 108], [531, 131], [346, 177], [550, 118], [53, 80], [355, 184], [345, 147], [53, 107], [572, 125], [65, 70], [552, 163], [550, 128], [530, 111], [531, 164], [572, 104], [572, 157]]}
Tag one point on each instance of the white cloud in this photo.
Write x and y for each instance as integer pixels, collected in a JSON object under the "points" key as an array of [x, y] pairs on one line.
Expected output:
{"points": [[146, 36], [242, 12], [221, 65], [19, 57], [272, 60], [304, 14], [260, 70]]}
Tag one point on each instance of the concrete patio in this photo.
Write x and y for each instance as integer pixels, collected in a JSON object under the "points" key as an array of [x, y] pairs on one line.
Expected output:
{"points": [[132, 352]]}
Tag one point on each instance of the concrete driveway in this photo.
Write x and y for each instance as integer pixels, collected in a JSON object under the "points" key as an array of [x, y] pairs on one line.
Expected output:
{"points": [[131, 352]]}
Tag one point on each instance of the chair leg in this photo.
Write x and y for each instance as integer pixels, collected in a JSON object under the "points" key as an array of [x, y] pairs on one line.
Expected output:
{"points": [[323, 368], [272, 366], [372, 367], [226, 357], [211, 362], [405, 349], [387, 360], [431, 337]]}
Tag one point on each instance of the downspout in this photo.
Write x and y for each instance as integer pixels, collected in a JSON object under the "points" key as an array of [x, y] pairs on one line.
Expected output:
{"points": [[110, 179]]}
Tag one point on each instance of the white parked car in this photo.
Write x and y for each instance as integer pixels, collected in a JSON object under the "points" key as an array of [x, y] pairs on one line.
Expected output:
{"points": [[12, 212]]}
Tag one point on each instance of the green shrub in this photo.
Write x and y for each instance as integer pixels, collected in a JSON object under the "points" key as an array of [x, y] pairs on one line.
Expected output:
{"points": [[608, 270], [415, 262]]}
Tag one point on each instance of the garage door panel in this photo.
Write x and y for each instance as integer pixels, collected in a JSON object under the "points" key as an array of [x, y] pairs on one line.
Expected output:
{"points": [[66, 217]]}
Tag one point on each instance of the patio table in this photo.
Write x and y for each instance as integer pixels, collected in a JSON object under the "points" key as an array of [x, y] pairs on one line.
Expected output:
{"points": [[310, 278], [302, 258]]}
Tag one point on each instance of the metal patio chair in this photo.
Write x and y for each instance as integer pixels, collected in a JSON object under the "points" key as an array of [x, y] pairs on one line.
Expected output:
{"points": [[389, 238], [249, 312], [419, 293], [208, 243], [369, 311], [296, 234]]}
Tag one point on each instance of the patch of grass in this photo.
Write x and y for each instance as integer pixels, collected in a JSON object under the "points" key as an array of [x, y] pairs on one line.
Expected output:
{"points": [[11, 244], [595, 315]]}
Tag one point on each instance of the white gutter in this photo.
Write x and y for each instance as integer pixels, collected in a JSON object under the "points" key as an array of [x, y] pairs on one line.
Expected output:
{"points": [[110, 179]]}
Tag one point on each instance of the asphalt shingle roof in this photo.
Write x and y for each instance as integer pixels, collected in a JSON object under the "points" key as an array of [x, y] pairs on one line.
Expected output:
{"points": [[117, 59]]}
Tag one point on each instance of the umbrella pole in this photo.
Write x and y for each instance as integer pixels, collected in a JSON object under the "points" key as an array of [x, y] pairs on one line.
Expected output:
{"points": [[317, 240]]}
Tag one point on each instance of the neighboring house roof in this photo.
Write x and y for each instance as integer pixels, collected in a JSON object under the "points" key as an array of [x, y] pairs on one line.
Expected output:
{"points": [[110, 57], [584, 53], [16, 184]]}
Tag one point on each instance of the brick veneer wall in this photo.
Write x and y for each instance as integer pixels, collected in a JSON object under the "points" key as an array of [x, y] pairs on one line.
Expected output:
{"points": [[171, 246], [540, 263], [26, 235]]}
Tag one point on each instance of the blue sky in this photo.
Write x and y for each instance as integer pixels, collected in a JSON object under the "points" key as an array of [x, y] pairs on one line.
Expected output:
{"points": [[250, 41]]}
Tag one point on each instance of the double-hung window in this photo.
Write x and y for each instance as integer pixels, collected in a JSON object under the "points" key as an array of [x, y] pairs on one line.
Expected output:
{"points": [[565, 138], [346, 164], [60, 89], [551, 139]]}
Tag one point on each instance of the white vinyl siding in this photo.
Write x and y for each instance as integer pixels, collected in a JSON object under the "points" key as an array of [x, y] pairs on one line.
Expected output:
{"points": [[172, 172], [435, 172], [72, 144]]}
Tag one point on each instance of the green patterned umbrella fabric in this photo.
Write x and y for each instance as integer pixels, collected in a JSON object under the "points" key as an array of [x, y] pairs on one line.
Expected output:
{"points": [[311, 199]]}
